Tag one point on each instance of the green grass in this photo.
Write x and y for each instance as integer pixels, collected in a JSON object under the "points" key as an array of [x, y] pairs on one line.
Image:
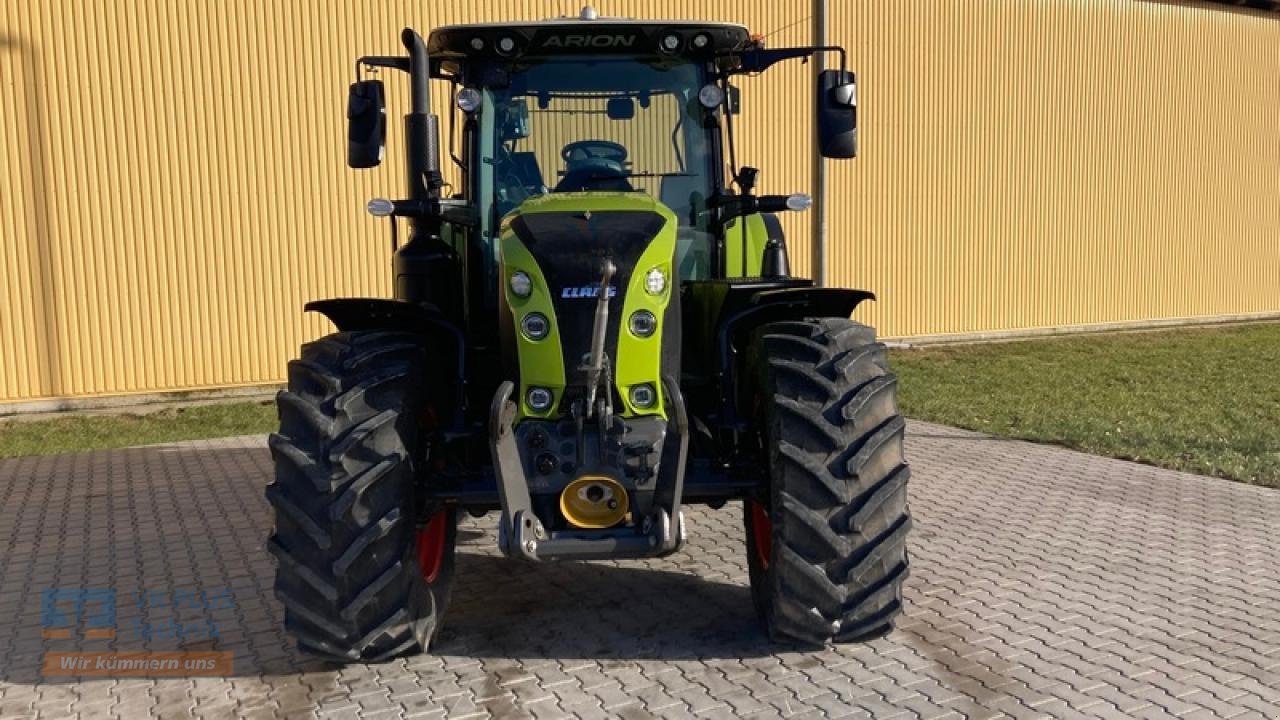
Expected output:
{"points": [[91, 432], [1204, 401]]}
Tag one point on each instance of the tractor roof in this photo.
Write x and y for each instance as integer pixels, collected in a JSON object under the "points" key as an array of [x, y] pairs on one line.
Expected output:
{"points": [[587, 33]]}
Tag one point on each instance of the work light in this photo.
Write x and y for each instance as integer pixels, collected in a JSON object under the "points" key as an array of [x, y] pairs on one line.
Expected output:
{"points": [[468, 100], [711, 96]]}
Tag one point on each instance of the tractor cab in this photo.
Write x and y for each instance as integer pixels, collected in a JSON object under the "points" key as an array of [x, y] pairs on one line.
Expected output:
{"points": [[598, 123], [594, 105], [602, 104]]}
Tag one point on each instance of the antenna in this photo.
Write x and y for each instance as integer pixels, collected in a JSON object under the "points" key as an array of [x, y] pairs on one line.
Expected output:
{"points": [[788, 26]]}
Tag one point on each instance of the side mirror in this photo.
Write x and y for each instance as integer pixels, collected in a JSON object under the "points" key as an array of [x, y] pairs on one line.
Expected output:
{"points": [[837, 114], [366, 124]]}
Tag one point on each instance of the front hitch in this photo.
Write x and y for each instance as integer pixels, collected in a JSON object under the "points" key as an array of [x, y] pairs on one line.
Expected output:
{"points": [[522, 535], [513, 491]]}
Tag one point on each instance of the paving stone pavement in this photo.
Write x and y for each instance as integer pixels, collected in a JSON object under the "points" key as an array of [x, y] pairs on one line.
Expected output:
{"points": [[1045, 583]]}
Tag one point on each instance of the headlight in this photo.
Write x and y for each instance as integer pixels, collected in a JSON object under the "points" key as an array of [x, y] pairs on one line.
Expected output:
{"points": [[642, 323], [643, 396], [535, 326], [521, 285], [655, 282], [539, 399], [701, 40], [670, 42]]}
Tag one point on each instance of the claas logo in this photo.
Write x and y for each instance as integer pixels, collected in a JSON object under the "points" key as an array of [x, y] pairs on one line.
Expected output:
{"points": [[587, 292]]}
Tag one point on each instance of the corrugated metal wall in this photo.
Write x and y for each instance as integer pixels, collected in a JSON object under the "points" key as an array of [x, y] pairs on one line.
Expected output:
{"points": [[174, 187], [1030, 163]]}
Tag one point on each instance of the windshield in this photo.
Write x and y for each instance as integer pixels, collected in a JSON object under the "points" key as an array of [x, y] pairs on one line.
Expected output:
{"points": [[597, 124]]}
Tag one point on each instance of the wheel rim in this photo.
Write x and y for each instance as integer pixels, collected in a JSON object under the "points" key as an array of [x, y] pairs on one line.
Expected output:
{"points": [[761, 534], [431, 541]]}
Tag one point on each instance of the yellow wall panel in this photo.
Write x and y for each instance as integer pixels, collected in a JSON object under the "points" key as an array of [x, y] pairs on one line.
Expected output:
{"points": [[1033, 163], [172, 184]]}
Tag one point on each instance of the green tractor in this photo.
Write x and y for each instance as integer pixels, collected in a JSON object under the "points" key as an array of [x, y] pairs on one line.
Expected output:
{"points": [[594, 327]]}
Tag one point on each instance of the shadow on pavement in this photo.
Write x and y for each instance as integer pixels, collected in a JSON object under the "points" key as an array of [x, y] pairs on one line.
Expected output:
{"points": [[502, 608], [192, 519]]}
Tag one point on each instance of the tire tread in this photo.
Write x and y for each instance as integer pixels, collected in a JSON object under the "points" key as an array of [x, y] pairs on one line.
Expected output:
{"points": [[347, 571], [838, 499]]}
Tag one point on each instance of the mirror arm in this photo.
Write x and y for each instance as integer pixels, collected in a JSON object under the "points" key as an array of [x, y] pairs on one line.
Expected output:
{"points": [[393, 62], [761, 59], [730, 139]]}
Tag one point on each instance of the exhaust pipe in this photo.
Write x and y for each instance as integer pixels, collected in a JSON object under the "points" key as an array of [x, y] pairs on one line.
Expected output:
{"points": [[421, 128], [426, 269]]}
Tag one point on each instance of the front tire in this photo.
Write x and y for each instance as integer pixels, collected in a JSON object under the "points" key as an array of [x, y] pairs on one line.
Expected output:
{"points": [[826, 544], [358, 580]]}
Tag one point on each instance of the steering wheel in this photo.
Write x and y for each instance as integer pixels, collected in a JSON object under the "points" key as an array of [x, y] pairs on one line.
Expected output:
{"points": [[576, 153], [594, 165]]}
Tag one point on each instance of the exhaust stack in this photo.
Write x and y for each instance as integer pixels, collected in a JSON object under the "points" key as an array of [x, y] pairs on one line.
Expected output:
{"points": [[421, 127]]}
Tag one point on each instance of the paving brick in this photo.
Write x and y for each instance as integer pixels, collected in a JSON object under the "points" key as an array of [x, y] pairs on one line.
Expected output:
{"points": [[1045, 583]]}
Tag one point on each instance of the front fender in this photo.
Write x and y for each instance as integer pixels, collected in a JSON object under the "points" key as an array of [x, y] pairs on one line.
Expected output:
{"points": [[729, 311], [439, 333], [794, 303], [376, 314]]}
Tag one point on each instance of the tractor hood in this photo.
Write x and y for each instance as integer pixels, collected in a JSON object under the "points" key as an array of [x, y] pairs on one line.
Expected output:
{"points": [[562, 243]]}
